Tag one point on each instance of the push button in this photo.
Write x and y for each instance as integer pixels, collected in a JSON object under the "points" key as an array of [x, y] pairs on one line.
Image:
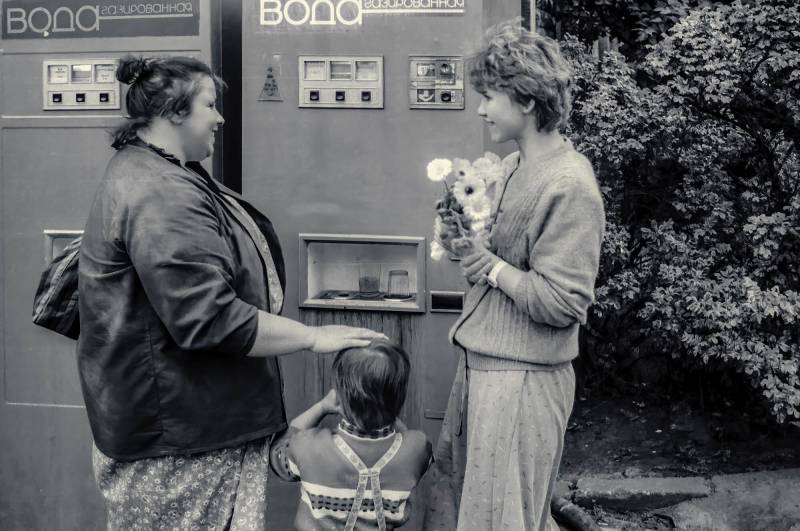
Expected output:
{"points": [[57, 98], [80, 97], [104, 97], [313, 95], [339, 95], [447, 97], [366, 95]]}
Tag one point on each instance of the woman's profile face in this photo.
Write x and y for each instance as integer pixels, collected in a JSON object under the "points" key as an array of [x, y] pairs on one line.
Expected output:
{"points": [[200, 125], [504, 117]]}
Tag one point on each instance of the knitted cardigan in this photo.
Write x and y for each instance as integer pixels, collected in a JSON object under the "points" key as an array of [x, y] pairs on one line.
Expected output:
{"points": [[549, 225]]}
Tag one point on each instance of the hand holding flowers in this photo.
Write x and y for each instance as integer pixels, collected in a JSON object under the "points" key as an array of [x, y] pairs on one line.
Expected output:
{"points": [[476, 265], [465, 212]]}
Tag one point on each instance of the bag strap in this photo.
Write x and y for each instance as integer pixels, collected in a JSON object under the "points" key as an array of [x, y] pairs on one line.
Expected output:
{"points": [[367, 475]]}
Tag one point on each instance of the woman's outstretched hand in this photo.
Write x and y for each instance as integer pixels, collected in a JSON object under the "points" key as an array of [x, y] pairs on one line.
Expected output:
{"points": [[333, 338]]}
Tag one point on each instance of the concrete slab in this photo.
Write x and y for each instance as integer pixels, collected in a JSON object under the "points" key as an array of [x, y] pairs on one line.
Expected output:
{"points": [[753, 501], [636, 494], [688, 517]]}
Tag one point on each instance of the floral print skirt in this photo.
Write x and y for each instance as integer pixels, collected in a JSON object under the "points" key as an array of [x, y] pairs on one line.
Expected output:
{"points": [[217, 490], [497, 462]]}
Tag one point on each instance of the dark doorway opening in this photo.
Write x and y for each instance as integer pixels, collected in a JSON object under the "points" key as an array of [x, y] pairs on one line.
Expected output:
{"points": [[226, 47]]}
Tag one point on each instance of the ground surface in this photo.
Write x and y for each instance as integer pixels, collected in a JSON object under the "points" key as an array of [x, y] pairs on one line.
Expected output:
{"points": [[616, 437], [646, 438]]}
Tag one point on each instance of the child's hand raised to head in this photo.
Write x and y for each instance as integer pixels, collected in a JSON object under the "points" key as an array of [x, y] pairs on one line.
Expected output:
{"points": [[314, 415], [330, 403]]}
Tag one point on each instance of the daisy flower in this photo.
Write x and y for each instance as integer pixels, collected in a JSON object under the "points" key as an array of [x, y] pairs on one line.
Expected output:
{"points": [[490, 167], [479, 212], [469, 190], [437, 251], [461, 167], [439, 169]]}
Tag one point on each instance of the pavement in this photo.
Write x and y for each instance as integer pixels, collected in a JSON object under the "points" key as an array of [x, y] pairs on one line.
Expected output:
{"points": [[762, 501]]}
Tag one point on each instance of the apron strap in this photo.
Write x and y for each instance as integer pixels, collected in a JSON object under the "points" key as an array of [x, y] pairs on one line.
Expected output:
{"points": [[367, 476]]}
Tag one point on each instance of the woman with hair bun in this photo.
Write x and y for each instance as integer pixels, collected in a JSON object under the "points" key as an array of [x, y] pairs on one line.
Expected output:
{"points": [[181, 287], [503, 434]]}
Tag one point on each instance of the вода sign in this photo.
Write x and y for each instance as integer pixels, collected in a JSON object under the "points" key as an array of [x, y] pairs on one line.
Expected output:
{"points": [[344, 14], [53, 19]]}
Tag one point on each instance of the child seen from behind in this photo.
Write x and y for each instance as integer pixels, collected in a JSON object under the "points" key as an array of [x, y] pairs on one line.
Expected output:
{"points": [[360, 474]]}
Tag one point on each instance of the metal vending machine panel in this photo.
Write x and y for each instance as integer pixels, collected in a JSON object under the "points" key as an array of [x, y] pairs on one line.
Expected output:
{"points": [[435, 82], [339, 81], [80, 84]]}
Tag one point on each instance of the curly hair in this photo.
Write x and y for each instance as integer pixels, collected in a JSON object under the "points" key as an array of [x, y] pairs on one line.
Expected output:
{"points": [[526, 66], [159, 86]]}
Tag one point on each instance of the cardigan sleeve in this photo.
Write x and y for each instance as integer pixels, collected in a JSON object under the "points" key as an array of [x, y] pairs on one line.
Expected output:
{"points": [[565, 254], [173, 236]]}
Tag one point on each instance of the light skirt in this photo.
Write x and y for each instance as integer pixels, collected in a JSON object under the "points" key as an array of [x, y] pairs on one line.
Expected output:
{"points": [[496, 466]]}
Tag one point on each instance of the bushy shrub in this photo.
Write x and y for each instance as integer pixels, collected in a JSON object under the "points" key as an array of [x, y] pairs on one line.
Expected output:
{"points": [[633, 23], [696, 150]]}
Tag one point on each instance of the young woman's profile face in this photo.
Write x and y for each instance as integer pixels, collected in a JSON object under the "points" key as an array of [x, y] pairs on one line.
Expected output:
{"points": [[504, 117], [199, 127]]}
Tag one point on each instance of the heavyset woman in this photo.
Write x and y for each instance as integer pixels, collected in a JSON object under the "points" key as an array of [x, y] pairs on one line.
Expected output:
{"points": [[502, 438], [181, 286]]}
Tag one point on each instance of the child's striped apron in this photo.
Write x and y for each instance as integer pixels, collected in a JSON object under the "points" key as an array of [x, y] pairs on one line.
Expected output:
{"points": [[367, 475]]}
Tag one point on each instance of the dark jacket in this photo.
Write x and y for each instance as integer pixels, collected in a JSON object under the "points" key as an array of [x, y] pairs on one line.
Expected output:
{"points": [[170, 283]]}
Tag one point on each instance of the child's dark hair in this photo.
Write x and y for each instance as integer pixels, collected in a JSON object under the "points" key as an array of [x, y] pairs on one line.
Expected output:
{"points": [[159, 86], [371, 383]]}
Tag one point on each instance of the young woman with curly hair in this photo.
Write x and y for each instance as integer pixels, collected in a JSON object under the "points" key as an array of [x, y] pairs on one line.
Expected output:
{"points": [[503, 434]]}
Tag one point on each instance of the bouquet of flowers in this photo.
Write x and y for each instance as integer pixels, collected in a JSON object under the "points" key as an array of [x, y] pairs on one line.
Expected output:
{"points": [[466, 211]]}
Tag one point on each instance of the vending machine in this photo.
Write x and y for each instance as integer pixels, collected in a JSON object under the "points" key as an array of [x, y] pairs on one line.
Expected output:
{"points": [[344, 103], [341, 104]]}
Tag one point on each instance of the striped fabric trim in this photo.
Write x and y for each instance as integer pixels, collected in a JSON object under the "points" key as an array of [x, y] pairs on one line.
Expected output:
{"points": [[368, 438], [374, 435], [339, 508], [324, 490]]}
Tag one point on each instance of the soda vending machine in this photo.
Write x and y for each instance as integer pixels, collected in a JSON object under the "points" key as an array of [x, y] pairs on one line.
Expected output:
{"points": [[343, 105]]}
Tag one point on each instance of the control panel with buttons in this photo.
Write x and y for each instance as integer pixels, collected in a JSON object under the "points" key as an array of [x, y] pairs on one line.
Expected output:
{"points": [[338, 81], [78, 84], [435, 82]]}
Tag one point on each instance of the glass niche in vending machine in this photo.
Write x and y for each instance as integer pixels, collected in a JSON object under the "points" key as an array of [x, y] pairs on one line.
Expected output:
{"points": [[382, 273]]}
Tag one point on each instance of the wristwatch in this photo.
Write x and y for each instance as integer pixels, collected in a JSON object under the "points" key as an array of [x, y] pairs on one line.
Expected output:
{"points": [[491, 278]]}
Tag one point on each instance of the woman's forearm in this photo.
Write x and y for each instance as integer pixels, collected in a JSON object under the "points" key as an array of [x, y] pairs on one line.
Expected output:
{"points": [[279, 335]]}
